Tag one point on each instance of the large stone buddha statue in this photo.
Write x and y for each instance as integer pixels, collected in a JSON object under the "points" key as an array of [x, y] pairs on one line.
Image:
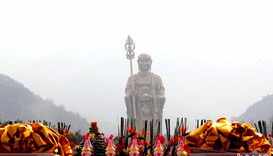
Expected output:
{"points": [[145, 95]]}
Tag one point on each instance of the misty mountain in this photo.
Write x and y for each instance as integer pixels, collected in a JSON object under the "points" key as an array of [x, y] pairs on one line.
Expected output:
{"points": [[261, 110], [18, 102]]}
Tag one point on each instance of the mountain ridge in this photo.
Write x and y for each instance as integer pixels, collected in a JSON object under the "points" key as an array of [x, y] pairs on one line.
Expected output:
{"points": [[19, 102], [260, 110]]}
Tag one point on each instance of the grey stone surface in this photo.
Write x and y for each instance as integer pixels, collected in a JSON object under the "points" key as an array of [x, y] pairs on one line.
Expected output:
{"points": [[145, 90]]}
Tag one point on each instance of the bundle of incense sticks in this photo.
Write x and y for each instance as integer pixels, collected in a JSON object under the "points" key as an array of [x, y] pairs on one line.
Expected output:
{"points": [[200, 122], [126, 133], [168, 129], [60, 125], [126, 124], [183, 126], [152, 129], [151, 132], [63, 128], [158, 127], [264, 125], [180, 130], [121, 126], [145, 129], [177, 126], [261, 127], [145, 137], [169, 149]]}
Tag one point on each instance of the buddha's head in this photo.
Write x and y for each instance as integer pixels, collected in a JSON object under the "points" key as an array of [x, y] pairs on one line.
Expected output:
{"points": [[144, 63]]}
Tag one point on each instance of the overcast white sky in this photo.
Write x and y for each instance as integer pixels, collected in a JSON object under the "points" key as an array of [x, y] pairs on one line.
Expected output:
{"points": [[215, 57]]}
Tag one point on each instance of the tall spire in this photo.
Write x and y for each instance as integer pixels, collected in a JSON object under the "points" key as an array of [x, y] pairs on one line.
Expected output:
{"points": [[130, 54]]}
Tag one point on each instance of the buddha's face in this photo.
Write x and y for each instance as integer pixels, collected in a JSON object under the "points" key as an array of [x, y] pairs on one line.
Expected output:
{"points": [[144, 63]]}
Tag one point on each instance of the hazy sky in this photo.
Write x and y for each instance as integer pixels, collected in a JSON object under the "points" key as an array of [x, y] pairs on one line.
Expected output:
{"points": [[215, 57]]}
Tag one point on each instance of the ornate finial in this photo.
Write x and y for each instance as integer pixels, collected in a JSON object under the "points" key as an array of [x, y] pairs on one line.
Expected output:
{"points": [[159, 149], [134, 149], [181, 148], [87, 149], [130, 47], [111, 148]]}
